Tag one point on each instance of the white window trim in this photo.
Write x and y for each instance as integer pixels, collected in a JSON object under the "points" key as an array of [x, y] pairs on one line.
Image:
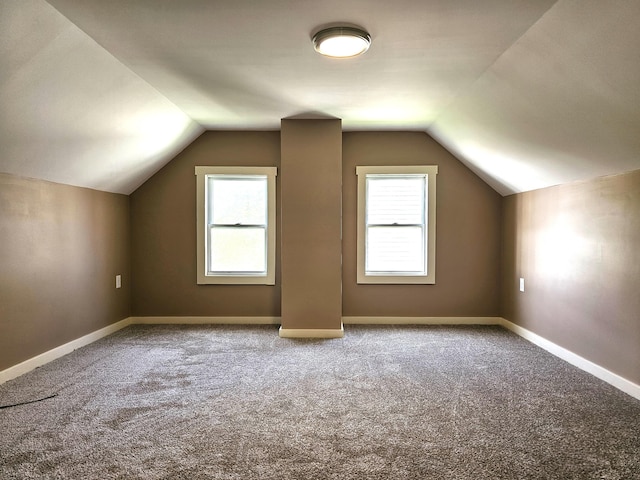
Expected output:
{"points": [[430, 278], [201, 220]]}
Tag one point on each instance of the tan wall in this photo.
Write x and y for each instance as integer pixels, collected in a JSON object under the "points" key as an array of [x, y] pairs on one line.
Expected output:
{"points": [[578, 248], [467, 233], [311, 212], [163, 225], [60, 250]]}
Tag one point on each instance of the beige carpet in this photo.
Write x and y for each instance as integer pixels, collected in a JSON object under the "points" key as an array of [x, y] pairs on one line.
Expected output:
{"points": [[229, 402]]}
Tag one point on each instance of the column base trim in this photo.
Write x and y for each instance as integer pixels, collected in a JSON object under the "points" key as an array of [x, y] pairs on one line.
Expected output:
{"points": [[311, 332]]}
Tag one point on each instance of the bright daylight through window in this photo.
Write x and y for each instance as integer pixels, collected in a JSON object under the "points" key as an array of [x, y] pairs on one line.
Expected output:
{"points": [[396, 224], [236, 225]]}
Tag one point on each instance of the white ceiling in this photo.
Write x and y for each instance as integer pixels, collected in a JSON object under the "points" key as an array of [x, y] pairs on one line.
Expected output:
{"points": [[527, 93]]}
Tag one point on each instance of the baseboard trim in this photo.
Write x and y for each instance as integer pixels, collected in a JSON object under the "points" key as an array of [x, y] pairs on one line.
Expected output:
{"points": [[178, 320], [311, 332], [422, 320], [621, 383], [582, 363], [57, 352]]}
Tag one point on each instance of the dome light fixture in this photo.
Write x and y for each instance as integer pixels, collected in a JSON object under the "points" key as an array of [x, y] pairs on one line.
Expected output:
{"points": [[341, 41]]}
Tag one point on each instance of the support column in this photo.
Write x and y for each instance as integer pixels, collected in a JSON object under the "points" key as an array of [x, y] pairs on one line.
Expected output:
{"points": [[311, 234]]}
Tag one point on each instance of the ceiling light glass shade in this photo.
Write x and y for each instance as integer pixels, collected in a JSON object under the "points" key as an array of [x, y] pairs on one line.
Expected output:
{"points": [[341, 42]]}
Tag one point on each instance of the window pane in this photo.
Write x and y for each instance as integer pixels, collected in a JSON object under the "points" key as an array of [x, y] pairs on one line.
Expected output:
{"points": [[395, 250], [237, 200], [395, 199], [240, 250]]}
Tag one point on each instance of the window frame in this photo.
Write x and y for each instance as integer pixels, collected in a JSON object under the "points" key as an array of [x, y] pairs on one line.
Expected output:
{"points": [[429, 277], [203, 277]]}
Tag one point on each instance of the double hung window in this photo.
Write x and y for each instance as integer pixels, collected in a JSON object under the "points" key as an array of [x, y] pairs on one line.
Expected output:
{"points": [[236, 225], [396, 224]]}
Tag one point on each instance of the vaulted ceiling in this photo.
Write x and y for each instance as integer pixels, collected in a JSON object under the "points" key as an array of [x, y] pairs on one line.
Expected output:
{"points": [[527, 93]]}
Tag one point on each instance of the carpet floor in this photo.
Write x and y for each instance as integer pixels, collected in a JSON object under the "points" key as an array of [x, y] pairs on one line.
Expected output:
{"points": [[238, 402]]}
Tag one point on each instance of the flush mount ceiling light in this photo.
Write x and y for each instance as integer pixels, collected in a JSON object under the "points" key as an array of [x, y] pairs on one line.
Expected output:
{"points": [[341, 42]]}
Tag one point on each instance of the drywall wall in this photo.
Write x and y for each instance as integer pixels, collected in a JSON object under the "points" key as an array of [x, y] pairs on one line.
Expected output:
{"points": [[60, 250], [311, 243], [163, 226], [577, 246], [467, 233]]}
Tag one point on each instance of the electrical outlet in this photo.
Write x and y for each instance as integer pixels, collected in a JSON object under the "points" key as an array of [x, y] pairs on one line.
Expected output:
{"points": [[118, 281], [522, 284]]}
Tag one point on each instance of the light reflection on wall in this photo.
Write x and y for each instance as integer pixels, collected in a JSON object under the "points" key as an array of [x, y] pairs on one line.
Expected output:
{"points": [[517, 175], [563, 252]]}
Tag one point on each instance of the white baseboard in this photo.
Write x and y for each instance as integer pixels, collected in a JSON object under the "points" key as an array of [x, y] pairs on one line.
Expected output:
{"points": [[206, 320], [422, 320], [57, 352], [588, 366], [602, 373], [311, 332], [50, 355], [183, 320]]}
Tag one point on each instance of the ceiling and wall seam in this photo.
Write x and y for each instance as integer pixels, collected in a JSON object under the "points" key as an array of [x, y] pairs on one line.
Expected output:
{"points": [[455, 98], [557, 106], [73, 113], [120, 62]]}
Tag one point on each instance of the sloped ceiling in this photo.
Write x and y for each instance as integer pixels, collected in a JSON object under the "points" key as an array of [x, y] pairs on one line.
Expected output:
{"points": [[527, 93], [561, 104], [72, 113]]}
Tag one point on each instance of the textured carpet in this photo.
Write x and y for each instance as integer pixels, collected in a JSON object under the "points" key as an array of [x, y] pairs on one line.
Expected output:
{"points": [[229, 402]]}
